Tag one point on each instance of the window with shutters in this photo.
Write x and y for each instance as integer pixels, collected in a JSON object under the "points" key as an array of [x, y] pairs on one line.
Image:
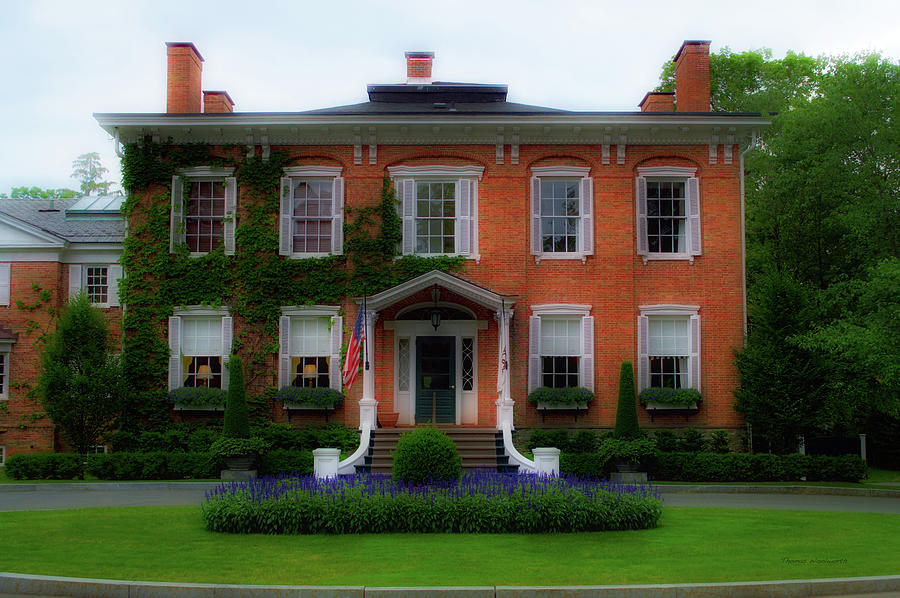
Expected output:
{"points": [[199, 346], [310, 347], [669, 347], [439, 206], [561, 347], [4, 375], [5, 283], [562, 199], [100, 282], [203, 209], [668, 213], [311, 211]]}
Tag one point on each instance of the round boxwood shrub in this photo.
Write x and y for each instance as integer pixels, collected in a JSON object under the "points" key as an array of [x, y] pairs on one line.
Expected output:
{"points": [[426, 454]]}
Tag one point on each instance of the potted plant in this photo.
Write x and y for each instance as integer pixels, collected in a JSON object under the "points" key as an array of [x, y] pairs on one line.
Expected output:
{"points": [[238, 453], [305, 397], [567, 397], [670, 398], [627, 454]]}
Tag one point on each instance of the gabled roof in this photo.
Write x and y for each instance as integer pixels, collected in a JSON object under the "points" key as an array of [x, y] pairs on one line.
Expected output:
{"points": [[470, 290], [47, 219]]}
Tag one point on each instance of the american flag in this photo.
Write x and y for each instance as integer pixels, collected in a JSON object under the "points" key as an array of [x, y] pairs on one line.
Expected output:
{"points": [[351, 361]]}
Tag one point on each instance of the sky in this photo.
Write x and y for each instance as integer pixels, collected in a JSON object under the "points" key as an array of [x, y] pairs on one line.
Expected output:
{"points": [[61, 61]]}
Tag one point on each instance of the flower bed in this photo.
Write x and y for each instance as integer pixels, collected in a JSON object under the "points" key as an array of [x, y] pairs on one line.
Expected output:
{"points": [[481, 502]]}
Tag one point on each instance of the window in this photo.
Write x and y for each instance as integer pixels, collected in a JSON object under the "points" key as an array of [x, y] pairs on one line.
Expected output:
{"points": [[562, 199], [204, 203], [312, 211], [669, 347], [668, 213], [2, 456], [439, 206], [199, 346], [4, 283], [310, 347], [4, 376], [561, 347], [100, 282]]}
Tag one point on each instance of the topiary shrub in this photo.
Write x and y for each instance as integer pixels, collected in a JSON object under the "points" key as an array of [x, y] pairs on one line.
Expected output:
{"points": [[237, 417], [692, 441], [426, 454], [626, 413]]}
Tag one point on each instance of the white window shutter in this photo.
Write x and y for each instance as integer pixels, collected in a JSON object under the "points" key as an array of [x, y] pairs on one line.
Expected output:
{"points": [[284, 351], [534, 353], [641, 192], [230, 214], [473, 217], [74, 280], [285, 236], [694, 366], [643, 364], [408, 199], [587, 216], [5, 283], [587, 356], [334, 368], [337, 218], [176, 218], [175, 369], [227, 337], [464, 218], [693, 201], [113, 274], [536, 245]]}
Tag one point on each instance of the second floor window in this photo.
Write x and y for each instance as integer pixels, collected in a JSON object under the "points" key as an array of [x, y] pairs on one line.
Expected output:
{"points": [[204, 216], [203, 210], [562, 205], [436, 217], [668, 213], [312, 211]]}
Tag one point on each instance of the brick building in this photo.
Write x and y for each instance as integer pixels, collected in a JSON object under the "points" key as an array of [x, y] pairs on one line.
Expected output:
{"points": [[49, 249], [588, 238]]}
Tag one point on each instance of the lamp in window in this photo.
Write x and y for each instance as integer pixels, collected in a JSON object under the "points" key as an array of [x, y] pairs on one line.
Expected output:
{"points": [[435, 312], [309, 374], [204, 375]]}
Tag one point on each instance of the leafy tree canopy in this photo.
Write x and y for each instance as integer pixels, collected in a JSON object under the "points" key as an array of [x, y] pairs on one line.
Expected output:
{"points": [[39, 193], [88, 169]]}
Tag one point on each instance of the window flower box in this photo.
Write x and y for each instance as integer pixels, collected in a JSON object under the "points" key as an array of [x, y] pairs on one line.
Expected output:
{"points": [[671, 401], [304, 397], [201, 398]]}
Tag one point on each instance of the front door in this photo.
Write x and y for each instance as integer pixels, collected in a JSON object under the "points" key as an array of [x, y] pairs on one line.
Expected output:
{"points": [[436, 379]]}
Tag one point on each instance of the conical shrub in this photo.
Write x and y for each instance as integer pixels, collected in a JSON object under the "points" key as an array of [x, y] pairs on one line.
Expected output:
{"points": [[626, 413]]}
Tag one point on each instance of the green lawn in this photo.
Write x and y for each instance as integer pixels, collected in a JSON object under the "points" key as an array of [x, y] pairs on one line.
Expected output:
{"points": [[691, 545]]}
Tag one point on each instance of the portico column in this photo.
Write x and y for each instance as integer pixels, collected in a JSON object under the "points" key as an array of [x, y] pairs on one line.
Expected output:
{"points": [[504, 399], [368, 406]]}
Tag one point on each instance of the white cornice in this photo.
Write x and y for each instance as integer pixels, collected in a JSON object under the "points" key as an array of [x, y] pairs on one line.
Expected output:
{"points": [[570, 171], [313, 171], [567, 309], [206, 171], [667, 171], [435, 170]]}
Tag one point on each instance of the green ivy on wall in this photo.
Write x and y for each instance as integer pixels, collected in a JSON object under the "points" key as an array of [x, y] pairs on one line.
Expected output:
{"points": [[255, 282]]}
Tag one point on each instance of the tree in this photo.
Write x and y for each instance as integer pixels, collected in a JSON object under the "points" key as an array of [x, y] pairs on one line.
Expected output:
{"points": [[88, 169], [626, 413], [80, 381], [237, 418], [39, 193]]}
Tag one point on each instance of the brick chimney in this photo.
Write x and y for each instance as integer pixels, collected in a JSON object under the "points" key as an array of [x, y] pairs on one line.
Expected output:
{"points": [[183, 86], [692, 76], [418, 68], [217, 102], [658, 101]]}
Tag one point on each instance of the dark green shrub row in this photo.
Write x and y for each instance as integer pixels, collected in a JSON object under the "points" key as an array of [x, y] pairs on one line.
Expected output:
{"points": [[760, 467], [586, 441], [356, 511], [285, 461], [153, 466], [44, 466], [585, 465]]}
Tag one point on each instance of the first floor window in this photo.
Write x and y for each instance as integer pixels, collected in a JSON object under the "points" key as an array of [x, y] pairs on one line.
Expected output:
{"points": [[669, 347], [100, 282], [310, 345], [199, 343], [561, 347], [4, 376], [96, 284], [2, 456]]}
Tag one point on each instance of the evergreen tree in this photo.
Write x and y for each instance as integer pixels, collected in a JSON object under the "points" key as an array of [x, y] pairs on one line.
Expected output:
{"points": [[626, 414], [237, 417], [81, 382]]}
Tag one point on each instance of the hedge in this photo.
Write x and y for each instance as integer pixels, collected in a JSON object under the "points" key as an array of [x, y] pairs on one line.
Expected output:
{"points": [[153, 466], [285, 461], [44, 466]]}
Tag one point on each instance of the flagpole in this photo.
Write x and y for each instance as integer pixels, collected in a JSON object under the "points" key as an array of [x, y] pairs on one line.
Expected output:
{"points": [[365, 327]]}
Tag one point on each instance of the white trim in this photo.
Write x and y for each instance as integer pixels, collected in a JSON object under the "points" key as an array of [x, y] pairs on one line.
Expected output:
{"points": [[330, 172], [562, 309], [436, 170], [464, 288], [50, 240], [679, 172], [5, 351], [669, 309], [416, 306], [209, 172], [310, 310], [2, 455], [200, 310], [5, 283], [561, 171]]}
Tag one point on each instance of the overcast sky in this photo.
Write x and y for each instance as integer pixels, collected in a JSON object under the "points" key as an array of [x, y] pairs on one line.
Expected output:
{"points": [[64, 60]]}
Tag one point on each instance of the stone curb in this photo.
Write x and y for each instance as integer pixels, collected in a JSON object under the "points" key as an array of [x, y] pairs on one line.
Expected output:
{"points": [[13, 583], [107, 486]]}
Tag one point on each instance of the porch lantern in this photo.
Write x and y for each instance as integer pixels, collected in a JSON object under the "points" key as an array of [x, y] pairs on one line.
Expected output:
{"points": [[435, 313]]}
